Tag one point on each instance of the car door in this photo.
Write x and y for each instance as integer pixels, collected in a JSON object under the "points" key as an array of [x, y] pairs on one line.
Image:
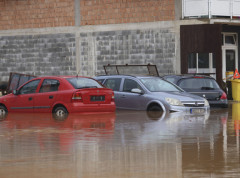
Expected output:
{"points": [[128, 99], [23, 100], [46, 96], [114, 84]]}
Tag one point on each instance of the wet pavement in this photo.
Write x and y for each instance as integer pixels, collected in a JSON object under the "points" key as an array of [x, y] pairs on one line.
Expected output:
{"points": [[122, 144]]}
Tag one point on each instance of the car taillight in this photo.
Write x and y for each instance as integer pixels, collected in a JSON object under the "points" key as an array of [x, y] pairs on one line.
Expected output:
{"points": [[112, 97], [77, 97], [224, 96]]}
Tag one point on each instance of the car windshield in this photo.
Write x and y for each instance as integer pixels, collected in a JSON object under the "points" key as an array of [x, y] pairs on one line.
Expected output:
{"points": [[158, 85], [199, 84], [80, 83]]}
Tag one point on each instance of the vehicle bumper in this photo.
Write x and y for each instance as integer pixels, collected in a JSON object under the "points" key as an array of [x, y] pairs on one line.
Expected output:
{"points": [[190, 110], [221, 103], [80, 107]]}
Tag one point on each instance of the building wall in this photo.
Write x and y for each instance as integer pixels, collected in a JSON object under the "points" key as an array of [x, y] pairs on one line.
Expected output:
{"points": [[111, 32], [95, 12], [22, 14], [140, 46], [43, 54]]}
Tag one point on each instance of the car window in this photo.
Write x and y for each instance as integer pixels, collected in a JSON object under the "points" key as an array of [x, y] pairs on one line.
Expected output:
{"points": [[29, 87], [80, 83], [158, 85], [198, 83], [171, 79], [49, 85], [113, 83], [130, 84], [100, 80]]}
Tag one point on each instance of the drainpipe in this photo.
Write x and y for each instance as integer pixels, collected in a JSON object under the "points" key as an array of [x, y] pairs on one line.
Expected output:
{"points": [[183, 8], [209, 9]]}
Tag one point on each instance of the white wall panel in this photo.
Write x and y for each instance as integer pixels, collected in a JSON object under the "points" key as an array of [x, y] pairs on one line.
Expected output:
{"points": [[236, 8], [195, 7], [221, 7]]}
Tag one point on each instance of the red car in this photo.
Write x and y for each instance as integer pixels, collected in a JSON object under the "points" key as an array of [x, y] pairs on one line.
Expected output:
{"points": [[59, 95]]}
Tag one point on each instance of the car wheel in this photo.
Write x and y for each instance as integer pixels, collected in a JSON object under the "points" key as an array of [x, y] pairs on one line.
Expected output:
{"points": [[155, 112], [60, 113], [155, 108], [3, 112]]}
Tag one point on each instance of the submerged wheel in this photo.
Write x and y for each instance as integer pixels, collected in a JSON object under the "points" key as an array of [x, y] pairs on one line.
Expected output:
{"points": [[155, 112], [155, 108], [60, 113], [3, 112]]}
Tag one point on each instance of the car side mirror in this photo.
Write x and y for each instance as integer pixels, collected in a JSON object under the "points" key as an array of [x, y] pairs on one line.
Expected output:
{"points": [[15, 92], [136, 90]]}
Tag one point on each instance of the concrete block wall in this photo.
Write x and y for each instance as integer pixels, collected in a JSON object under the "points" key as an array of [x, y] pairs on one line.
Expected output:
{"points": [[143, 46], [43, 54], [96, 12], [22, 14]]}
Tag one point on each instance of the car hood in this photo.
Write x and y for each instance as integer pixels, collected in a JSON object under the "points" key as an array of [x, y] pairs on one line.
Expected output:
{"points": [[182, 96]]}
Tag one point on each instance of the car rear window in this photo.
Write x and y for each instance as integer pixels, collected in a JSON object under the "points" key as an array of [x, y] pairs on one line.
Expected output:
{"points": [[198, 83], [80, 83]]}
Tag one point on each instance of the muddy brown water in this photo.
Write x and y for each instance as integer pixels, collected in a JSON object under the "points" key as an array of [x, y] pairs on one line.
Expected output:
{"points": [[126, 144]]}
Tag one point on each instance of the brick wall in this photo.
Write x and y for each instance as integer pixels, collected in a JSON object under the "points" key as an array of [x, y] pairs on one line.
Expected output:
{"points": [[20, 14], [95, 12]]}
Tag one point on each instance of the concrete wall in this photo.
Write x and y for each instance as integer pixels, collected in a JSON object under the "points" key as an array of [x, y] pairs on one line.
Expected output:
{"points": [[84, 50], [43, 54], [140, 46]]}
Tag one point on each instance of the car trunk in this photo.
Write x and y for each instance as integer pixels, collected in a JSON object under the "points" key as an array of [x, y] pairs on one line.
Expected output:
{"points": [[213, 95], [96, 95]]}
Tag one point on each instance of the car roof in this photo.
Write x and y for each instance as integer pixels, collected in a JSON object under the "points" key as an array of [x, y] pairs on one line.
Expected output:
{"points": [[61, 76], [189, 76], [134, 76]]}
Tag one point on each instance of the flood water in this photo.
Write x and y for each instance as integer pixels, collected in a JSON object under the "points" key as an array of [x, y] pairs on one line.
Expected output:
{"points": [[126, 144]]}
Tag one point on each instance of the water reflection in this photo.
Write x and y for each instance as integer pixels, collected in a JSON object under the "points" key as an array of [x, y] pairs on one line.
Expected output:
{"points": [[128, 144]]}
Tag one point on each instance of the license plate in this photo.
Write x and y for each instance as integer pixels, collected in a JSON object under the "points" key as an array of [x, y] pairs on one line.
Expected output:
{"points": [[197, 111], [97, 98]]}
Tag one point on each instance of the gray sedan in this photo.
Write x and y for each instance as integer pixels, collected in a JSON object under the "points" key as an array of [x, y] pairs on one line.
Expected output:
{"points": [[152, 94]]}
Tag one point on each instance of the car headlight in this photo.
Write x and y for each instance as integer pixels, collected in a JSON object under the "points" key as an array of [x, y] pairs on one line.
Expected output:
{"points": [[174, 102], [206, 102]]}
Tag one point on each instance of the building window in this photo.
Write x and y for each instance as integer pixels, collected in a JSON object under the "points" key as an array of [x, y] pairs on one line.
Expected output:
{"points": [[229, 39], [202, 63]]}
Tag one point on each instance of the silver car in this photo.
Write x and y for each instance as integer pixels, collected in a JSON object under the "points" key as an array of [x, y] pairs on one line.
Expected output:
{"points": [[152, 94]]}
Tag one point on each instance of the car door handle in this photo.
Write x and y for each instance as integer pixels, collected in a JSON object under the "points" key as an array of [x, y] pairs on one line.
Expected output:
{"points": [[51, 97], [30, 98]]}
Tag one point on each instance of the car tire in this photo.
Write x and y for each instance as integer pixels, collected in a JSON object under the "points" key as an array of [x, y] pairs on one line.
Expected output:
{"points": [[60, 113], [155, 112], [3, 112], [155, 108]]}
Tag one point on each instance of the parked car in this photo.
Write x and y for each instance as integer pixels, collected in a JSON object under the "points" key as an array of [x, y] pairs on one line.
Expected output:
{"points": [[59, 95], [201, 85], [152, 94]]}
